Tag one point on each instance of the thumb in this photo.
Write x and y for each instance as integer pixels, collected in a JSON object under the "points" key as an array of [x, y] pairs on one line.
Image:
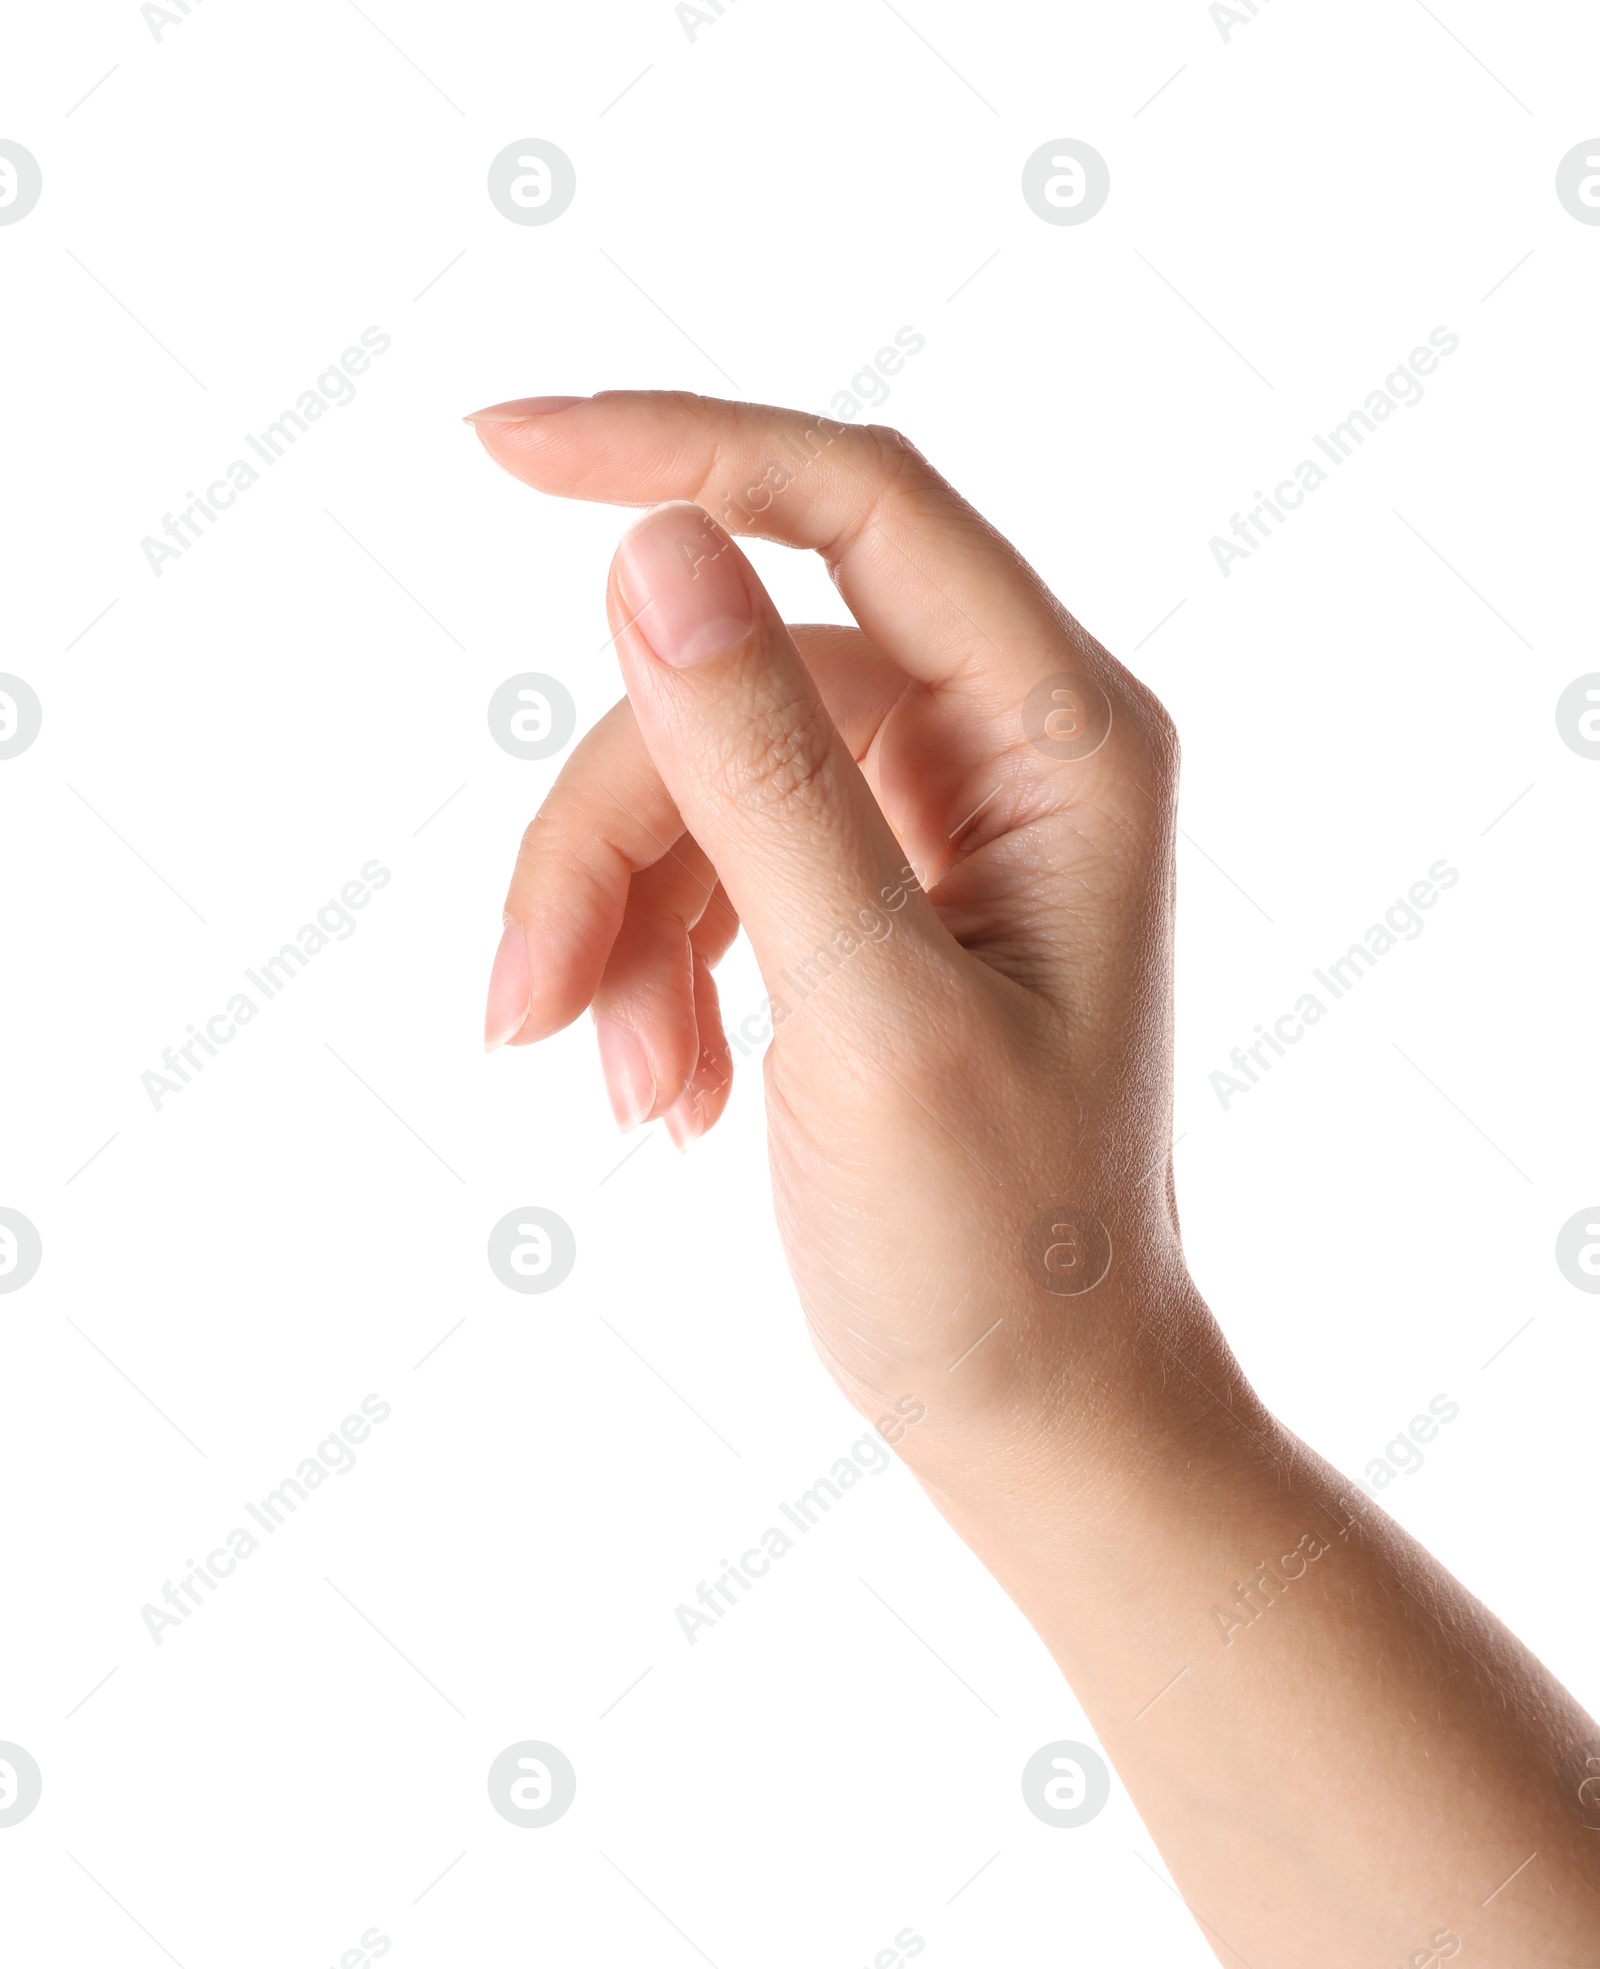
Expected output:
{"points": [[761, 776]]}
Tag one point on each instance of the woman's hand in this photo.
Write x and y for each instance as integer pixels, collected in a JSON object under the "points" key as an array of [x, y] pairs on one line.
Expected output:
{"points": [[949, 835]]}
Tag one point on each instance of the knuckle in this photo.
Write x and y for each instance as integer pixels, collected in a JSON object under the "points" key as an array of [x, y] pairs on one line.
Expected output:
{"points": [[889, 469], [1143, 740], [566, 865], [558, 833], [894, 460], [1159, 732], [886, 441], [780, 759]]}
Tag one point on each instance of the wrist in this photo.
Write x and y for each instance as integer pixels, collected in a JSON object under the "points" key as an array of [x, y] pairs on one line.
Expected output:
{"points": [[1086, 1399]]}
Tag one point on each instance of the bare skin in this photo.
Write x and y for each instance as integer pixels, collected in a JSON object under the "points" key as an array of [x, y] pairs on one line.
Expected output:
{"points": [[949, 836]]}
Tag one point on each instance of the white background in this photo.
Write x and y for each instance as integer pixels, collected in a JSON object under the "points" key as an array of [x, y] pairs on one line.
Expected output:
{"points": [[228, 743]]}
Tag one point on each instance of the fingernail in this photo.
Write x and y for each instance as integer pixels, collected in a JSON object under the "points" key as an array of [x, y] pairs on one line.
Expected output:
{"points": [[680, 575], [520, 409], [629, 1081], [685, 1119], [509, 985]]}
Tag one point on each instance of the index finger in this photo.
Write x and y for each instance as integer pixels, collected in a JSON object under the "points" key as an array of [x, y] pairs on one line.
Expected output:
{"points": [[926, 576]]}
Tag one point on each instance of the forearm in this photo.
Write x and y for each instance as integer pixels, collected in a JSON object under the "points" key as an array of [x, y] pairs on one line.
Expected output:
{"points": [[1339, 1752]]}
